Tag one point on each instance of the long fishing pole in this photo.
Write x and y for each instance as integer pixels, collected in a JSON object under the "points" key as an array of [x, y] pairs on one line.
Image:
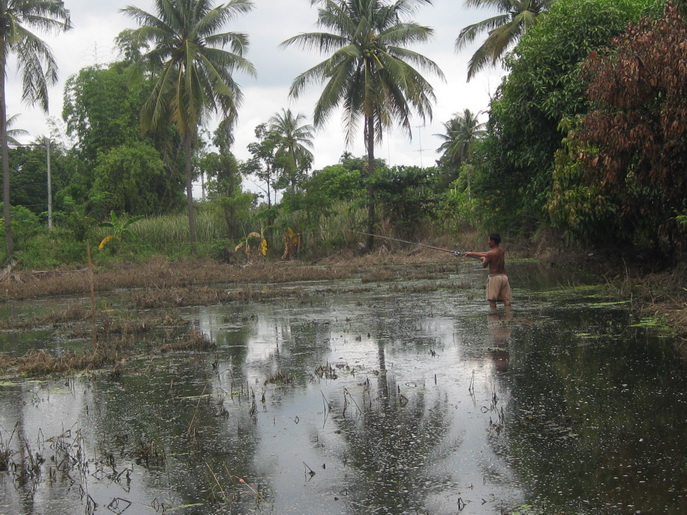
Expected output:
{"points": [[454, 252]]}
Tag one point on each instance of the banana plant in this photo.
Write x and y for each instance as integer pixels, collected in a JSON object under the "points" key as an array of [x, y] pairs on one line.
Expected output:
{"points": [[119, 228], [252, 241], [292, 243]]}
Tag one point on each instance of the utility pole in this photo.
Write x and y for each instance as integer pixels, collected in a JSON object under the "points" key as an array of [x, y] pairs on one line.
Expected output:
{"points": [[47, 152]]}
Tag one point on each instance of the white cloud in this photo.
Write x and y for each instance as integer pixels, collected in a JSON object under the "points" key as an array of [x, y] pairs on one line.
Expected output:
{"points": [[97, 22]]}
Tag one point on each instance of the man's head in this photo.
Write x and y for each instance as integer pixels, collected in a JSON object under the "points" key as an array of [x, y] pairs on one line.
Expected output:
{"points": [[495, 237]]}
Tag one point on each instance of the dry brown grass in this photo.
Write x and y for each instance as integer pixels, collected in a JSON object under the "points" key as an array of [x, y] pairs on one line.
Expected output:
{"points": [[40, 363], [5, 362], [382, 275], [163, 274], [105, 353], [73, 313]]}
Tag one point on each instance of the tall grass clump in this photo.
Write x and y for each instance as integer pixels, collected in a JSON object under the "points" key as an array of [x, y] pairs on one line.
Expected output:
{"points": [[163, 232], [168, 235]]}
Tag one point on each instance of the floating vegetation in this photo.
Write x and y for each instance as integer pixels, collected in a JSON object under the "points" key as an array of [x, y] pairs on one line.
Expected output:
{"points": [[194, 341], [63, 458], [590, 336], [279, 378], [587, 290], [6, 451], [653, 323], [527, 509], [147, 453], [607, 304], [326, 371], [101, 354]]}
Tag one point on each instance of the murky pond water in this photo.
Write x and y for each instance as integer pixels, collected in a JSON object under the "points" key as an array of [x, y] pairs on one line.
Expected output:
{"points": [[396, 397]]}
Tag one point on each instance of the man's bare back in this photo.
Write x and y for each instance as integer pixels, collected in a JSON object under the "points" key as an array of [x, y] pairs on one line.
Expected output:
{"points": [[495, 259]]}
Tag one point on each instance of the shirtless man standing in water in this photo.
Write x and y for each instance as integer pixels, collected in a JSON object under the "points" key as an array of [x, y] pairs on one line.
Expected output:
{"points": [[498, 287]]}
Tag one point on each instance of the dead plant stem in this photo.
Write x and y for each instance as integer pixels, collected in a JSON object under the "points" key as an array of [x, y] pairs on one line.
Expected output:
{"points": [[91, 282], [195, 412]]}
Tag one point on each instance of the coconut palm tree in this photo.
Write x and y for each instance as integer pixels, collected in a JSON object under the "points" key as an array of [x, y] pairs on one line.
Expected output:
{"points": [[370, 72], [36, 65], [192, 70], [462, 132], [295, 144], [13, 134], [503, 30]]}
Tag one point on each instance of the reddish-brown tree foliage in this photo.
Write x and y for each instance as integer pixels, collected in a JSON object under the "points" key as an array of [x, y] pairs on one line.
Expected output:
{"points": [[639, 86]]}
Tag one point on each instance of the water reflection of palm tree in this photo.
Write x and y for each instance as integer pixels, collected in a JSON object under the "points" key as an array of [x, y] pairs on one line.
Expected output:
{"points": [[389, 447], [390, 442]]}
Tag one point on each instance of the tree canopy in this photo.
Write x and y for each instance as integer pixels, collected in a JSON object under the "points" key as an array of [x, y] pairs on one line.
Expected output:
{"points": [[543, 88], [461, 134], [102, 108], [504, 29], [102, 111], [294, 156], [636, 134]]}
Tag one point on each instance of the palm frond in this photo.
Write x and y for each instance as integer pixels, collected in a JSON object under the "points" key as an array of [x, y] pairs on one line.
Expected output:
{"points": [[503, 30], [321, 41], [468, 34]]}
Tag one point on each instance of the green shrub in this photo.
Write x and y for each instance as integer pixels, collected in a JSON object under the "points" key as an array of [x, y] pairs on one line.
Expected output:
{"points": [[24, 224], [222, 250], [51, 249]]}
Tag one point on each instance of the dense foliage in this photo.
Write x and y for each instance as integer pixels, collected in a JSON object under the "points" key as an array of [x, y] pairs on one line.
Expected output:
{"points": [[29, 172], [37, 69], [192, 59], [118, 168], [543, 88], [638, 128], [586, 134], [406, 197]]}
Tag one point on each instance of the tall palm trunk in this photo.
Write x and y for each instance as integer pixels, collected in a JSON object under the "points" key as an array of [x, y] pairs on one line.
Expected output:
{"points": [[370, 144], [189, 187], [9, 242]]}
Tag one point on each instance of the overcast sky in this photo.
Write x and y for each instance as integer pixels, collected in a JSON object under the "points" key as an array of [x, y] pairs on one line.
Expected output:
{"points": [[97, 22]]}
